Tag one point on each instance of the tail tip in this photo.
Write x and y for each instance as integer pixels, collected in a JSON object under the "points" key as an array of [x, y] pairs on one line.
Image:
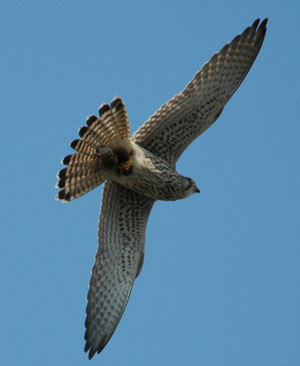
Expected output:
{"points": [[63, 196], [90, 120], [117, 103], [103, 109]]}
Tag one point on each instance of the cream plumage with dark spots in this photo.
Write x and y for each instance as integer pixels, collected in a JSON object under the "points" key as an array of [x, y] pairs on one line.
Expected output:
{"points": [[141, 170]]}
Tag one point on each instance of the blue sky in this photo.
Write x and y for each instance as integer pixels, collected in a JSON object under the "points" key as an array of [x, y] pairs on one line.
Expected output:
{"points": [[220, 282]]}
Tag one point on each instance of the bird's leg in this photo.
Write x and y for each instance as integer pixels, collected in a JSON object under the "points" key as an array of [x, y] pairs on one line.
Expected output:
{"points": [[125, 168]]}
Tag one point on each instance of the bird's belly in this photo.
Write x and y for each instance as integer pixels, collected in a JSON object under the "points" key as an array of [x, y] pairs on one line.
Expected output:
{"points": [[153, 177]]}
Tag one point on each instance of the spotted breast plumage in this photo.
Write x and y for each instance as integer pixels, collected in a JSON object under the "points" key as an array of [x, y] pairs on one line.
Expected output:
{"points": [[138, 171]]}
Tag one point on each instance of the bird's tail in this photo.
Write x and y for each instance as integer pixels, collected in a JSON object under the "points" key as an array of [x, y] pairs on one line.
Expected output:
{"points": [[86, 168]]}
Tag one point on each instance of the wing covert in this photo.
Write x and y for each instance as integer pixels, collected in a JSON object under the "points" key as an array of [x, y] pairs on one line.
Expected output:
{"points": [[177, 123]]}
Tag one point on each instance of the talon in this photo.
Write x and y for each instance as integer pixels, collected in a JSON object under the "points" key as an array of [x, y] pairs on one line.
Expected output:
{"points": [[126, 167]]}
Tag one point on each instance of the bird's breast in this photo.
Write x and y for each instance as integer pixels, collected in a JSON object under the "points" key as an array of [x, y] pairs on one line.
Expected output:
{"points": [[152, 177]]}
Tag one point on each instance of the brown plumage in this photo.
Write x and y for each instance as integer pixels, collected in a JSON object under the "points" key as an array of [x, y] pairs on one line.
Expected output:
{"points": [[104, 146], [141, 170]]}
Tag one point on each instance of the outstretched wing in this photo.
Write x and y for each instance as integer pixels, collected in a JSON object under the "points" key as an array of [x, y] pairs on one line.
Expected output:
{"points": [[178, 122], [121, 238]]}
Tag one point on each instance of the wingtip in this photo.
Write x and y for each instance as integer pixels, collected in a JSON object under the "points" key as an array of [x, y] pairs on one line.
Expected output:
{"points": [[90, 349], [255, 23], [91, 354], [263, 24], [262, 29]]}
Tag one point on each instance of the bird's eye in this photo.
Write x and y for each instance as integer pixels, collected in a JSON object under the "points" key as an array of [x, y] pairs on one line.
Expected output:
{"points": [[189, 183]]}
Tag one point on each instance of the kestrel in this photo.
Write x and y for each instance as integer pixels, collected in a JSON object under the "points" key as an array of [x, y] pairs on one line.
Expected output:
{"points": [[138, 171]]}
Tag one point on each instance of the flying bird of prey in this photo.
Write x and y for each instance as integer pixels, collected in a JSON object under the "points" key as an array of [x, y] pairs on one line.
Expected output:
{"points": [[138, 171]]}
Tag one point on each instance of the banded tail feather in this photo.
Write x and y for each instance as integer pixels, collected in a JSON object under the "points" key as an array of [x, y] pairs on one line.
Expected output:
{"points": [[96, 151]]}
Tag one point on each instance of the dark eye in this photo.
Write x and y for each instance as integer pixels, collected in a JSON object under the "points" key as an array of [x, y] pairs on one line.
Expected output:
{"points": [[189, 183]]}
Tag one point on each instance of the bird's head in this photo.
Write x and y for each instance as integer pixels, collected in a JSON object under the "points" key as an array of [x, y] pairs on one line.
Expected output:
{"points": [[190, 187]]}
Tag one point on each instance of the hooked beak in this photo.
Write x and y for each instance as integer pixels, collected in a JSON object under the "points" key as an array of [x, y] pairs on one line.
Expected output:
{"points": [[197, 190]]}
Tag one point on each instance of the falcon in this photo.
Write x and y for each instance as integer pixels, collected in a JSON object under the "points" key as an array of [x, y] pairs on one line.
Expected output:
{"points": [[138, 171]]}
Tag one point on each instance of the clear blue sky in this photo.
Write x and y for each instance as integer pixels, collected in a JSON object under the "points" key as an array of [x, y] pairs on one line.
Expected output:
{"points": [[220, 282]]}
